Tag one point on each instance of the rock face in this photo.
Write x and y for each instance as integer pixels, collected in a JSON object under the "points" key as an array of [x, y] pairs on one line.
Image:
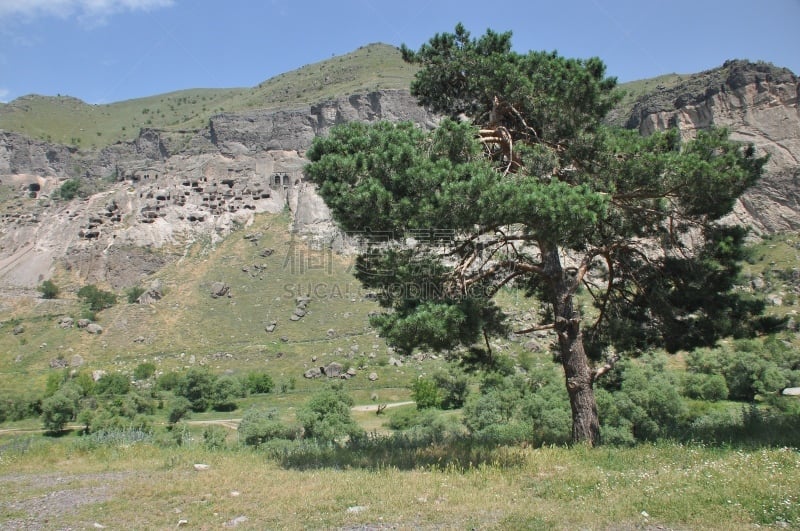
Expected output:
{"points": [[758, 103], [168, 188]]}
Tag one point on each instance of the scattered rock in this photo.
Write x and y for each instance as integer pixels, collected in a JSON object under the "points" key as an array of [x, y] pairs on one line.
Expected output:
{"points": [[201, 466], [333, 370], [394, 362], [313, 373], [356, 509], [271, 326], [140, 339], [83, 323], [18, 330], [351, 372], [373, 376], [220, 289], [66, 322], [96, 375], [76, 361], [94, 328], [236, 521], [58, 363], [331, 333], [182, 522], [153, 294], [791, 391], [266, 253]]}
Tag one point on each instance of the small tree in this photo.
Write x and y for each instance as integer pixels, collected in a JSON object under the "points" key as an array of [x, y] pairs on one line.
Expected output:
{"points": [[48, 289], [59, 409], [327, 416], [96, 298], [425, 393], [69, 189], [197, 386]]}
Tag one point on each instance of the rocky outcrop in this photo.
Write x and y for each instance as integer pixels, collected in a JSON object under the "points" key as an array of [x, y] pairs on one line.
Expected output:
{"points": [[293, 130], [758, 103]]}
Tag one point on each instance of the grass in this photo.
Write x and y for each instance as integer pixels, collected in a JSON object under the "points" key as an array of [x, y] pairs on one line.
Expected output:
{"points": [[550, 488], [70, 121]]}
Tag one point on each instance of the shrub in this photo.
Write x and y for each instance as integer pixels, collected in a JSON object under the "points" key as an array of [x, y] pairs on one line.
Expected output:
{"points": [[214, 437], [179, 410], [259, 426], [197, 386], [168, 381], [19, 407], [425, 393], [69, 189], [48, 289], [453, 387], [96, 298], [113, 384], [259, 382], [225, 392], [133, 294], [327, 416], [59, 409], [144, 370], [711, 387]]}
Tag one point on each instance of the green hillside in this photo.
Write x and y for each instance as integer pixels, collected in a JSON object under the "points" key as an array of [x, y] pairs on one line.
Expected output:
{"points": [[70, 121]]}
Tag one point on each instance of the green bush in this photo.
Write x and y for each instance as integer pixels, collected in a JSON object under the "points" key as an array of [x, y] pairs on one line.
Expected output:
{"points": [[453, 387], [69, 189], [168, 381], [226, 390], [260, 426], [19, 406], [214, 437], [425, 393], [258, 383], [327, 416], [197, 386], [48, 289], [97, 299], [113, 383], [133, 294], [59, 409], [144, 370], [711, 387], [179, 410]]}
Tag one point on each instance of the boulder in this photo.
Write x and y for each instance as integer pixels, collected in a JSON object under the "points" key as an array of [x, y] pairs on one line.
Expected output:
{"points": [[94, 328], [313, 373], [791, 391], [333, 370], [83, 323], [373, 376], [394, 362], [58, 363], [220, 289], [66, 322], [18, 330], [351, 371], [271, 326]]}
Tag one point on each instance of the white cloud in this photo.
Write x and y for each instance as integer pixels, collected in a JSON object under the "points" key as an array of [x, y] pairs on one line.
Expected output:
{"points": [[83, 9], [4, 95]]}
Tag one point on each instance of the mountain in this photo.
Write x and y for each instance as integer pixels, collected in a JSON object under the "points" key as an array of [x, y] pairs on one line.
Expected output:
{"points": [[200, 187]]}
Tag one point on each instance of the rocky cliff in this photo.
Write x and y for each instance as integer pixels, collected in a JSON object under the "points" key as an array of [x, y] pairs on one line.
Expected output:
{"points": [[758, 103], [166, 189]]}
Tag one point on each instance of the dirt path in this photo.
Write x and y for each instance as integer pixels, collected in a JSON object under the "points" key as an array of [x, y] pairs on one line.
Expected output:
{"points": [[374, 407]]}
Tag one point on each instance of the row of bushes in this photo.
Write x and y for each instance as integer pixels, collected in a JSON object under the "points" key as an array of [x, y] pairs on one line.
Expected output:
{"points": [[113, 399]]}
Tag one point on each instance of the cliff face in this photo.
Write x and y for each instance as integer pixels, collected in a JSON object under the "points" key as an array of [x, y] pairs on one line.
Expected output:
{"points": [[166, 189], [758, 103]]}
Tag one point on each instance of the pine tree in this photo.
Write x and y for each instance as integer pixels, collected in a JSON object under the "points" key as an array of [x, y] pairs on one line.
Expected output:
{"points": [[522, 185]]}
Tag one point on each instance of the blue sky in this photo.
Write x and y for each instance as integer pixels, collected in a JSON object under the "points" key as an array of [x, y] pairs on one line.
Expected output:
{"points": [[111, 50]]}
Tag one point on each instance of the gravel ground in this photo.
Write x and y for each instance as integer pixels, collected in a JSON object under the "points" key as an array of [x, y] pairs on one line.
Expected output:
{"points": [[41, 501]]}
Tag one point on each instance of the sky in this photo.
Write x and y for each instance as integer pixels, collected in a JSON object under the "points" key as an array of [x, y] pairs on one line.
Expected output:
{"points": [[103, 51]]}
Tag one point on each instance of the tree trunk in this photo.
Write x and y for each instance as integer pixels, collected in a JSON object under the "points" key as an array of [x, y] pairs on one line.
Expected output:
{"points": [[578, 375]]}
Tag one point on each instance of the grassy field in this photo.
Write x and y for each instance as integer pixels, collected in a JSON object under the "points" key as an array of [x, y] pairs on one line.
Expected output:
{"points": [[53, 484]]}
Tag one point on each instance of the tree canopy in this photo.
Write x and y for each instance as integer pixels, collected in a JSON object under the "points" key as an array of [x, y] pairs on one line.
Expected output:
{"points": [[521, 185]]}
